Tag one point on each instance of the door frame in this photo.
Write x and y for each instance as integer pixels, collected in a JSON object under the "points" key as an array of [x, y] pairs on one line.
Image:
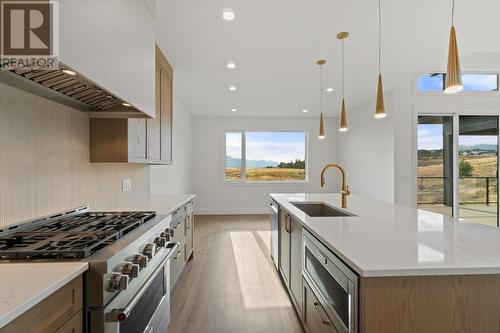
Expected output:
{"points": [[456, 115]]}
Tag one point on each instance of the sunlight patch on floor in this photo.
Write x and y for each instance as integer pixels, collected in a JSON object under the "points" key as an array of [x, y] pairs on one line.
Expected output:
{"points": [[252, 265]]}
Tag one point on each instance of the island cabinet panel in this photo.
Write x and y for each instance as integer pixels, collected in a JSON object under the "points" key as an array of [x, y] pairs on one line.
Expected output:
{"points": [[57, 313], [284, 250], [296, 263], [315, 318], [431, 304]]}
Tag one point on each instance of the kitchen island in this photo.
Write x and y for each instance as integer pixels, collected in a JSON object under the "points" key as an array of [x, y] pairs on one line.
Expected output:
{"points": [[413, 270]]}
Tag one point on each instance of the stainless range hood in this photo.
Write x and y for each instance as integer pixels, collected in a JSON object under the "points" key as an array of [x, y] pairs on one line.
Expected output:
{"points": [[68, 87]]}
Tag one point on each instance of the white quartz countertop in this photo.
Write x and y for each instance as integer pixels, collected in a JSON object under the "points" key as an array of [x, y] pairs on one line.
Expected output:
{"points": [[23, 285], [392, 240], [162, 204]]}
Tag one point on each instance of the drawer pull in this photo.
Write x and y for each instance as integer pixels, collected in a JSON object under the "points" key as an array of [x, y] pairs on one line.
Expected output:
{"points": [[322, 258], [319, 308], [287, 222], [178, 255]]}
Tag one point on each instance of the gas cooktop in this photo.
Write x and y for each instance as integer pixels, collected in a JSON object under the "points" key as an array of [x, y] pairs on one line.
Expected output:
{"points": [[72, 237]]}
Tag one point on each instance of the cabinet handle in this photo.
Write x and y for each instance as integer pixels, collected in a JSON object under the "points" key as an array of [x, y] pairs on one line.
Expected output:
{"points": [[188, 222], [322, 258], [287, 225], [178, 255], [319, 308]]}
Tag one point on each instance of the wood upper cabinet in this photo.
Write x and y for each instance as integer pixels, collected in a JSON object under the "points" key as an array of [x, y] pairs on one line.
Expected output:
{"points": [[138, 140], [164, 100]]}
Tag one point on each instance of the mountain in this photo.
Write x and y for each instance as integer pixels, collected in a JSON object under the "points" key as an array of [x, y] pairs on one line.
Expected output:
{"points": [[232, 162], [479, 147]]}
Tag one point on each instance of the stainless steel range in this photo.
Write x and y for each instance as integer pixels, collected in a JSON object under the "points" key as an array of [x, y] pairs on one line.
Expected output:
{"points": [[127, 284]]}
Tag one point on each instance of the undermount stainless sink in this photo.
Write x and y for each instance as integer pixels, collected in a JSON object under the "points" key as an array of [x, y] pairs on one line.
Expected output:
{"points": [[319, 209]]}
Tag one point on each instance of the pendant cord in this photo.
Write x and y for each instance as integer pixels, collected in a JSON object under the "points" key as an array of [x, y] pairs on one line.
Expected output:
{"points": [[379, 37], [321, 89], [452, 13], [343, 66]]}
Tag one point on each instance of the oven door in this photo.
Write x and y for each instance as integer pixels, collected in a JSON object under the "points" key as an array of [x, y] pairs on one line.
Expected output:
{"points": [[148, 310]]}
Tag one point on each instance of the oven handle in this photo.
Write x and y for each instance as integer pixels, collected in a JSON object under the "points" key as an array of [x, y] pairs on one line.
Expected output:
{"points": [[122, 314]]}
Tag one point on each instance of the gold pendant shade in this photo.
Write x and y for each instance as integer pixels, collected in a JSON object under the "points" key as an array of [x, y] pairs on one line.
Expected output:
{"points": [[380, 107], [453, 82], [343, 118]]}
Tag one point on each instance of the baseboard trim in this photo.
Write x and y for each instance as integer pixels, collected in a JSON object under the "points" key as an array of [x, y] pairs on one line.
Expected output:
{"points": [[231, 211]]}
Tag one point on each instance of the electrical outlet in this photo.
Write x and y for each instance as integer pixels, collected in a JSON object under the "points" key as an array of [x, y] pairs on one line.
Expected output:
{"points": [[127, 184]]}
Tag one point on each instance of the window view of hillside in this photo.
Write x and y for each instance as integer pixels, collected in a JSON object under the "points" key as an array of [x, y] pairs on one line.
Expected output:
{"points": [[269, 156], [477, 164]]}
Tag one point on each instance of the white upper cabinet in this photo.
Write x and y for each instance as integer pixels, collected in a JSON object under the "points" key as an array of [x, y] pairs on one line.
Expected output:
{"points": [[111, 42]]}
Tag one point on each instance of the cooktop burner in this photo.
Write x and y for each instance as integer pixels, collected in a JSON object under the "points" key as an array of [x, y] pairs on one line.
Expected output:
{"points": [[71, 237]]}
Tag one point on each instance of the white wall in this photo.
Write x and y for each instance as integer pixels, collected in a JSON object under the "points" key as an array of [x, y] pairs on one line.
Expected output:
{"points": [[216, 197], [366, 151], [176, 178]]}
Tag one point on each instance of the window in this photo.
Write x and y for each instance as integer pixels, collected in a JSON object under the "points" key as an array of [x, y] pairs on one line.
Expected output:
{"points": [[473, 82], [278, 156], [462, 183]]}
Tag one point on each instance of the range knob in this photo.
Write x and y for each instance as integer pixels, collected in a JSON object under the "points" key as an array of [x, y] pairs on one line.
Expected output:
{"points": [[161, 241], [166, 234], [140, 259], [118, 282], [170, 231], [150, 250], [131, 270]]}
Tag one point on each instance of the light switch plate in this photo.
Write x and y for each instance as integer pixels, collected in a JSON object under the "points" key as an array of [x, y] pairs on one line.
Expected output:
{"points": [[127, 184]]}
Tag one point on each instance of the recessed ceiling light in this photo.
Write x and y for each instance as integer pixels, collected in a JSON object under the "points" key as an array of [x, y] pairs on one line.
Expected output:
{"points": [[126, 104], [329, 89], [231, 65], [233, 110], [69, 72], [232, 88], [228, 14], [305, 110]]}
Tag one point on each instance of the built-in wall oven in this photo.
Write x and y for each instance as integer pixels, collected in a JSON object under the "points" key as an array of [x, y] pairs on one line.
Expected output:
{"points": [[334, 284], [274, 233]]}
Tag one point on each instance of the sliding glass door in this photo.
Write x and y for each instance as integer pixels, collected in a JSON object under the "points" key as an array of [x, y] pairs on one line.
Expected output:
{"points": [[457, 168], [478, 169]]}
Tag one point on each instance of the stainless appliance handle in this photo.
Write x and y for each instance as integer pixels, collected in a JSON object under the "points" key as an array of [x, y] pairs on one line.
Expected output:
{"points": [[122, 314]]}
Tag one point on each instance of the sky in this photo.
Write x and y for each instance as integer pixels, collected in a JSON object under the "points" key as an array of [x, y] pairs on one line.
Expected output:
{"points": [[269, 146], [430, 137], [471, 82]]}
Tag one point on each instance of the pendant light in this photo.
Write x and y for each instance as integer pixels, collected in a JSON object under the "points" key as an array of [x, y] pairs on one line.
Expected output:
{"points": [[453, 82], [321, 135], [343, 118], [380, 106]]}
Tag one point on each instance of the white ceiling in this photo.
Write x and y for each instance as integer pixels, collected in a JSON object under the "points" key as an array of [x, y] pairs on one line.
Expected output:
{"points": [[275, 44]]}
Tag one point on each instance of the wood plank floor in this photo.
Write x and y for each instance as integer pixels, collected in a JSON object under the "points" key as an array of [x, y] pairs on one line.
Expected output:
{"points": [[231, 284]]}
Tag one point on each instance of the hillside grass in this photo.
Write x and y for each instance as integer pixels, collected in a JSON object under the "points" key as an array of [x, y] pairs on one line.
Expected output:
{"points": [[267, 174], [470, 190]]}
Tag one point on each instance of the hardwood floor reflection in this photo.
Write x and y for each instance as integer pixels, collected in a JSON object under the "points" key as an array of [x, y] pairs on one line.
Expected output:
{"points": [[231, 284]]}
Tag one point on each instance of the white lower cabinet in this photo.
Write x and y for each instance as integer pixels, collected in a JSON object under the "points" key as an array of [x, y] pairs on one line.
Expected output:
{"points": [[182, 225]]}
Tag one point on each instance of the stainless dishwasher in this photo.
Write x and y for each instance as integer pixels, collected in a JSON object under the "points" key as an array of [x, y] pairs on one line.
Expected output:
{"points": [[333, 283], [274, 233]]}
